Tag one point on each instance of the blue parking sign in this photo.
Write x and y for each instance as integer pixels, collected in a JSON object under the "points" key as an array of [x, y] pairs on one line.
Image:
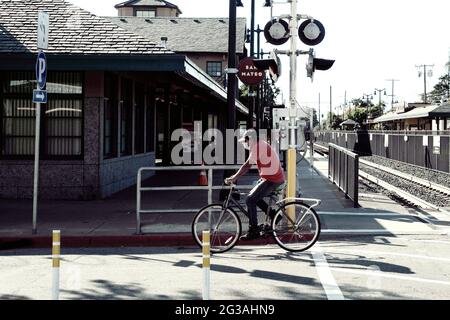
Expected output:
{"points": [[41, 70], [39, 96]]}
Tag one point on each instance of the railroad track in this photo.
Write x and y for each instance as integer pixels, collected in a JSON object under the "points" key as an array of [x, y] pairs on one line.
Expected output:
{"points": [[411, 189]]}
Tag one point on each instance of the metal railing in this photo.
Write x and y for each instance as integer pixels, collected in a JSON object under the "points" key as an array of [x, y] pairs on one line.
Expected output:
{"points": [[209, 188], [343, 170]]}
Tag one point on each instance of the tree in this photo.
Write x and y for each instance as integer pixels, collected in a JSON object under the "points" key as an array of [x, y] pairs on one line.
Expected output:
{"points": [[358, 115], [335, 121], [376, 111], [441, 91]]}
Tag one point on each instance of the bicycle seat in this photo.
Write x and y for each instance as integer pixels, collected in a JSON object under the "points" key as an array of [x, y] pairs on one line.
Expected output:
{"points": [[279, 190]]}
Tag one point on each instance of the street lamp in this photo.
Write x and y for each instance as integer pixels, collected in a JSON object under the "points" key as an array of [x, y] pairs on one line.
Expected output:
{"points": [[255, 106], [368, 97], [379, 92]]}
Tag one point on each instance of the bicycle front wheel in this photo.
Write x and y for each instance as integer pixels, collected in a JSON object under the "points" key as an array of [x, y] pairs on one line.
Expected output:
{"points": [[224, 225], [296, 227]]}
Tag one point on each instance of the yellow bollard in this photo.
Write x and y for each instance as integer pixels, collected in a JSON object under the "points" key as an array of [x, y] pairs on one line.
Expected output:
{"points": [[56, 258], [292, 182], [206, 246]]}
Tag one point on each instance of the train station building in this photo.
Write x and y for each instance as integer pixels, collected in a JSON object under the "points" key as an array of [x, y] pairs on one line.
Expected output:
{"points": [[417, 116], [115, 97]]}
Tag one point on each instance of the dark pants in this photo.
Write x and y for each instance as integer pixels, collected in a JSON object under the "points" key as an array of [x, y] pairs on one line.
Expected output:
{"points": [[255, 198]]}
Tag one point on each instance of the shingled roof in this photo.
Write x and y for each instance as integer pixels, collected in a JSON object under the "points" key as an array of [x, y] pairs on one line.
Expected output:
{"points": [[73, 31], [442, 111], [186, 34]]}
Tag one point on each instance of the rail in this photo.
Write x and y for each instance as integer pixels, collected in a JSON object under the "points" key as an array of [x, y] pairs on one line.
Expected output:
{"points": [[343, 170], [209, 188]]}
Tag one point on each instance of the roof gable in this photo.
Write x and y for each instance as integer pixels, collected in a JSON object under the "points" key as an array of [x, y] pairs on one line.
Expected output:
{"points": [[72, 31], [187, 34]]}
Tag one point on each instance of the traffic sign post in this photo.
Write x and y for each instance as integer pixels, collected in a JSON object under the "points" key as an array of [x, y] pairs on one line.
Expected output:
{"points": [[39, 96]]}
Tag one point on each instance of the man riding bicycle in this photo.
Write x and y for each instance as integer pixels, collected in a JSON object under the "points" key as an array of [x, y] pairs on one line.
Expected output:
{"points": [[271, 174]]}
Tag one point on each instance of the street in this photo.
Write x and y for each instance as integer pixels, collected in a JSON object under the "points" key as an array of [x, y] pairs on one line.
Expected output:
{"points": [[402, 267]]}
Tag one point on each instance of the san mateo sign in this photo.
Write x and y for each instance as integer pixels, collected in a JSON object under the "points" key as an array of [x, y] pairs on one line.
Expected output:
{"points": [[249, 74]]}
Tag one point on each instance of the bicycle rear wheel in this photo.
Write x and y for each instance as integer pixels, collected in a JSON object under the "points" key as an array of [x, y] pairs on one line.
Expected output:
{"points": [[224, 225], [298, 233]]}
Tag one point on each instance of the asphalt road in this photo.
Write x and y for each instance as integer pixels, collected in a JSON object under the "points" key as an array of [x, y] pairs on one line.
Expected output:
{"points": [[402, 267]]}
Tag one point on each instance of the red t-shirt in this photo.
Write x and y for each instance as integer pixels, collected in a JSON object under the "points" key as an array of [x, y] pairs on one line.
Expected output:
{"points": [[268, 162]]}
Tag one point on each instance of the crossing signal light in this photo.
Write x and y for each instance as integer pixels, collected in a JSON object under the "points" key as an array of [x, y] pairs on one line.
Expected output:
{"points": [[273, 64], [317, 64], [311, 32], [276, 32]]}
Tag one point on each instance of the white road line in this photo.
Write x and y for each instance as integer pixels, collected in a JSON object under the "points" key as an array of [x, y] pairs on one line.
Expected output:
{"points": [[369, 252], [366, 214], [375, 231], [326, 277], [422, 240], [388, 275]]}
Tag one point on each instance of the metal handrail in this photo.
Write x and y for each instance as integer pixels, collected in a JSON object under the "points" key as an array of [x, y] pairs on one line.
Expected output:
{"points": [[210, 188], [339, 169]]}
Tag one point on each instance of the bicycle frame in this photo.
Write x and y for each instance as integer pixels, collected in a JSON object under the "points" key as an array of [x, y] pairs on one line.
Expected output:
{"points": [[226, 204]]}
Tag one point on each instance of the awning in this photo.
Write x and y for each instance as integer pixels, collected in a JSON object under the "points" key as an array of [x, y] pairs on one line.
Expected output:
{"points": [[157, 63], [416, 113]]}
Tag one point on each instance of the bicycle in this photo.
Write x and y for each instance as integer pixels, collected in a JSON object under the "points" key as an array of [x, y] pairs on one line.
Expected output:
{"points": [[295, 226]]}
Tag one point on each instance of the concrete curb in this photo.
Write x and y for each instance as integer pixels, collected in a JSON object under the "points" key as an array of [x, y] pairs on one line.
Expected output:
{"points": [[152, 240]]}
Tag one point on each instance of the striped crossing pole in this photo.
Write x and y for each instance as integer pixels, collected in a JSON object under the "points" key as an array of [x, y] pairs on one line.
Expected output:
{"points": [[56, 258], [206, 264]]}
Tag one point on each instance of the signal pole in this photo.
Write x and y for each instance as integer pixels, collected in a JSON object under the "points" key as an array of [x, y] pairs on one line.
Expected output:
{"points": [[292, 153]]}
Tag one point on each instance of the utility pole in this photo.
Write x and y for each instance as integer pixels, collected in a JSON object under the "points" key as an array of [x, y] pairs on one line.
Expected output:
{"points": [[232, 71], [430, 74], [331, 107], [345, 105], [392, 95], [320, 122]]}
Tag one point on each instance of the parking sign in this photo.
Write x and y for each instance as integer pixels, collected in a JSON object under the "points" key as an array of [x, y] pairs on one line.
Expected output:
{"points": [[41, 70]]}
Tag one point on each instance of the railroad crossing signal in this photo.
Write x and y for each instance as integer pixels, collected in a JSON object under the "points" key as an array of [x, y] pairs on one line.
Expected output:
{"points": [[311, 32], [317, 64], [273, 64]]}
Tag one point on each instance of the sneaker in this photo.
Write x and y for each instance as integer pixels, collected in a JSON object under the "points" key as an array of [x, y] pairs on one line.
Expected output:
{"points": [[272, 215], [253, 233]]}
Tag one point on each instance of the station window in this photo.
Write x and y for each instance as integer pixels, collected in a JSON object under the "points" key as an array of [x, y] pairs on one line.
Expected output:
{"points": [[214, 68], [139, 133], [126, 118], [150, 120], [146, 13], [61, 119], [110, 116]]}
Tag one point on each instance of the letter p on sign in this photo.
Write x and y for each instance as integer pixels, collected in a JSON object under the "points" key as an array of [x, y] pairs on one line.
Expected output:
{"points": [[41, 70]]}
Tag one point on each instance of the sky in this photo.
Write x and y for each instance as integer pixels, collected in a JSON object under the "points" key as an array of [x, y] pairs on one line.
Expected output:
{"points": [[371, 41]]}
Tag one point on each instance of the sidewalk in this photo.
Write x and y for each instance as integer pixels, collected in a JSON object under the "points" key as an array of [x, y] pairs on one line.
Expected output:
{"points": [[112, 222]]}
